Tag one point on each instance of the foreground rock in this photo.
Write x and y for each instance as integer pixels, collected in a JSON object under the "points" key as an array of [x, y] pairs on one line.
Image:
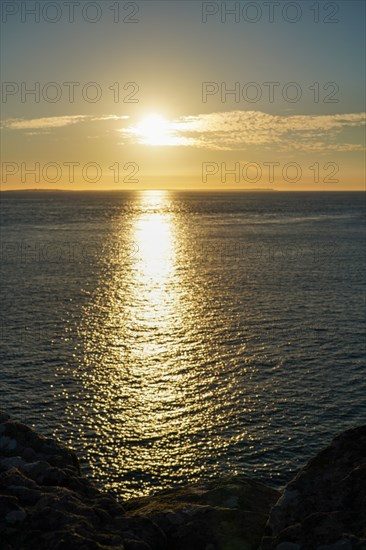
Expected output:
{"points": [[324, 507], [45, 504], [229, 514]]}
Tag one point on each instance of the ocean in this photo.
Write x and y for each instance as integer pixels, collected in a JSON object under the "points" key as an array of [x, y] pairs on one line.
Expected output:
{"points": [[171, 337]]}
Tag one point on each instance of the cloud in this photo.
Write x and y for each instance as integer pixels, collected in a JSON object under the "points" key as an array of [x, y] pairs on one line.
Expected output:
{"points": [[41, 123], [54, 122], [38, 133], [227, 131], [237, 129]]}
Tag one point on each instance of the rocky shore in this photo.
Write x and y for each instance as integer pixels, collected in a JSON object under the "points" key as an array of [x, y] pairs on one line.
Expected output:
{"points": [[45, 504]]}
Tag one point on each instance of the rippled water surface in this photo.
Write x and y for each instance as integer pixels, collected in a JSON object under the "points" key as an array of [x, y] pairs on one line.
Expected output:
{"points": [[170, 337]]}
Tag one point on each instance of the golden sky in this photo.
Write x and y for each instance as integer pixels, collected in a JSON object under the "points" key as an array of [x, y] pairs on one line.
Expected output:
{"points": [[182, 95]]}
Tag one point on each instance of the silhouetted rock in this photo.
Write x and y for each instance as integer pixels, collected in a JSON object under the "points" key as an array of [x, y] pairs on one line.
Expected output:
{"points": [[221, 514], [45, 504], [324, 507]]}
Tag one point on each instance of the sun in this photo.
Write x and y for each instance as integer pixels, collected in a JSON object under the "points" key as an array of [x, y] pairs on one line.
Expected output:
{"points": [[154, 129]]}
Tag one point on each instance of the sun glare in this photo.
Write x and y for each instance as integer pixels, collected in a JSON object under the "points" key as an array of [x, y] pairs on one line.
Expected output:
{"points": [[154, 130]]}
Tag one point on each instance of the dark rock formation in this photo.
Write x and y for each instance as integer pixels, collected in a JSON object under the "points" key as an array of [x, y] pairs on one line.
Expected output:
{"points": [[324, 507], [227, 514], [45, 504]]}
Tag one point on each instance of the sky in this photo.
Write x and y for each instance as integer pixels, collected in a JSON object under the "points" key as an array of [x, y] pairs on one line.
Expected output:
{"points": [[183, 95]]}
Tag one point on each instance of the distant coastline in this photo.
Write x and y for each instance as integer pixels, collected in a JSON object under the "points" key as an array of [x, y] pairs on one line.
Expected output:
{"points": [[223, 191], [254, 189]]}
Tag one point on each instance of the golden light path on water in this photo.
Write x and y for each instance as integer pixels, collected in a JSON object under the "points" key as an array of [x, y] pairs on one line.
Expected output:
{"points": [[153, 311], [158, 393]]}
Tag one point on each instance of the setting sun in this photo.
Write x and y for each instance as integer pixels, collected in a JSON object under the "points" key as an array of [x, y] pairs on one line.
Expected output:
{"points": [[154, 130]]}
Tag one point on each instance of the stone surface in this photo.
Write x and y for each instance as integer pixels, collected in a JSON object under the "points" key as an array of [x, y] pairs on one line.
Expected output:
{"points": [[227, 514], [45, 504], [324, 507]]}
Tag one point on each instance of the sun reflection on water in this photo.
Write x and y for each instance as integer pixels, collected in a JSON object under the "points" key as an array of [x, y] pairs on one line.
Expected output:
{"points": [[151, 391], [154, 267]]}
